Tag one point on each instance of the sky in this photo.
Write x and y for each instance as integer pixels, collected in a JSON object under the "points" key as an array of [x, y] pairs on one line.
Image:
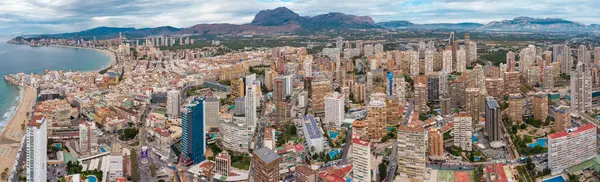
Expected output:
{"points": [[22, 17]]}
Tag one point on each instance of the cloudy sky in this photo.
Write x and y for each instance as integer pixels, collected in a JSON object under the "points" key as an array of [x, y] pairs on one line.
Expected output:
{"points": [[18, 17]]}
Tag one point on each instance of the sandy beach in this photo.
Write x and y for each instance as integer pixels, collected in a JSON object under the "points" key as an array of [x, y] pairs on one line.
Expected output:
{"points": [[13, 132], [111, 54]]}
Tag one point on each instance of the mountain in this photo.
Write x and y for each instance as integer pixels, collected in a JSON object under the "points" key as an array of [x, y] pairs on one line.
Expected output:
{"points": [[536, 24], [283, 16], [409, 25], [231, 29], [110, 32]]}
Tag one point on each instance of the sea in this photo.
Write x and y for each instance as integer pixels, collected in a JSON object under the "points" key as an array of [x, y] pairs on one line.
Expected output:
{"points": [[27, 59]]}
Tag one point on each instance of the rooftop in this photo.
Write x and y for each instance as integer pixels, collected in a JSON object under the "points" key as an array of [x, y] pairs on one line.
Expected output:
{"points": [[573, 131], [266, 155], [311, 126]]}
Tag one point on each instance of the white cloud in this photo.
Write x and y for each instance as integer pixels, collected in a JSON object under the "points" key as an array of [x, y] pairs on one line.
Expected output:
{"points": [[52, 16]]}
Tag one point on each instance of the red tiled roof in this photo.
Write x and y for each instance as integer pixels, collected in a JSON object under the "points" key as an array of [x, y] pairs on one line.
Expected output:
{"points": [[580, 129], [498, 169], [337, 175], [163, 132]]}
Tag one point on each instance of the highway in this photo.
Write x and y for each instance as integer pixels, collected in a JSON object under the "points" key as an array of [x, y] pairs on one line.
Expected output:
{"points": [[391, 170], [258, 139], [346, 147]]}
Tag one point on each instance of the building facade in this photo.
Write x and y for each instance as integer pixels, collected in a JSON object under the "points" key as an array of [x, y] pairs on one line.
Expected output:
{"points": [[571, 147]]}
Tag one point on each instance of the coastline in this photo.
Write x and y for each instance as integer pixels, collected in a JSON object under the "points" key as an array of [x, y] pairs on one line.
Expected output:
{"points": [[12, 134], [112, 55]]}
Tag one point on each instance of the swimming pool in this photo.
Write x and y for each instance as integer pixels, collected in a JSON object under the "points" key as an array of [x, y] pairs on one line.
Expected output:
{"points": [[474, 139], [333, 134], [555, 179], [102, 150], [92, 179], [540, 141]]}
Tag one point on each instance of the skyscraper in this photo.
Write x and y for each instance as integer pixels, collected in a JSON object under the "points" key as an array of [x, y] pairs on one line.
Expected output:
{"points": [[389, 90], [463, 131], [436, 144], [334, 109], [492, 120], [376, 118], [540, 106], [250, 106], [361, 164], [510, 61], [461, 60], [36, 149], [581, 89], [515, 108], [88, 138], [562, 118], [428, 61], [412, 152], [447, 61], [193, 136], [548, 78], [173, 103]]}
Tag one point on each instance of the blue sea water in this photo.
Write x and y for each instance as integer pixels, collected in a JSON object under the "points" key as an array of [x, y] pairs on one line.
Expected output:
{"points": [[23, 58]]}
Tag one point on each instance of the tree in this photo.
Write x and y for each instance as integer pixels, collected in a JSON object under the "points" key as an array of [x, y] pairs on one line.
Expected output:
{"points": [[382, 171]]}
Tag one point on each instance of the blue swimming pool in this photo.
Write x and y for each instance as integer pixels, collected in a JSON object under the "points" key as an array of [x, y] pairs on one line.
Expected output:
{"points": [[333, 134], [555, 179], [102, 150], [474, 138], [542, 142], [91, 178]]}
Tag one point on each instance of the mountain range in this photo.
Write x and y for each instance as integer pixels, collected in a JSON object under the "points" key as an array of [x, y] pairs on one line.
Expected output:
{"points": [[285, 21]]}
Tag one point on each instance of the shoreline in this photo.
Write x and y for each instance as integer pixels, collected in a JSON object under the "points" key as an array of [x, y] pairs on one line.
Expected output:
{"points": [[111, 55], [25, 106]]}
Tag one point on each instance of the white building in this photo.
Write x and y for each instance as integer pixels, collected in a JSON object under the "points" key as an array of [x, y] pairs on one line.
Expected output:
{"points": [[36, 149], [173, 104], [413, 58], [471, 49], [463, 131], [581, 89], [447, 61], [334, 109], [115, 163], [428, 61], [461, 60], [88, 138], [312, 134], [571, 147], [361, 160], [212, 111], [234, 134], [250, 107]]}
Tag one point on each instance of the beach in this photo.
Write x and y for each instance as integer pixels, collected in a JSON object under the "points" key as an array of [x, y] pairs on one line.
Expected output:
{"points": [[13, 131], [111, 54]]}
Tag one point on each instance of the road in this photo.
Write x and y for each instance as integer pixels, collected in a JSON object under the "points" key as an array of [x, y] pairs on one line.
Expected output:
{"points": [[391, 170], [258, 139], [346, 147], [410, 102]]}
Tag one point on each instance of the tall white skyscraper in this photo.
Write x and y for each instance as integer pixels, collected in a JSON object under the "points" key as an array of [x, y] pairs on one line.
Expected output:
{"points": [[250, 106], [334, 109], [447, 61], [428, 61], [581, 89], [37, 144], [471, 51], [250, 79], [88, 138], [413, 58], [461, 60], [308, 67], [361, 151], [173, 104]]}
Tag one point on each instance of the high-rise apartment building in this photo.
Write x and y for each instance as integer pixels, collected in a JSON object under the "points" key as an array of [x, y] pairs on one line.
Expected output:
{"points": [[436, 144], [265, 165], [515, 108], [250, 106], [173, 103], [305, 174], [212, 112], [237, 88], [428, 61], [447, 61], [471, 48], [361, 162], [36, 141], [376, 118], [548, 78], [562, 118], [463, 131], [581, 89], [493, 120], [193, 136], [320, 89], [421, 93], [512, 84], [88, 138], [540, 106], [461, 60], [495, 87], [570, 147], [510, 61], [472, 103], [412, 151], [334, 109]]}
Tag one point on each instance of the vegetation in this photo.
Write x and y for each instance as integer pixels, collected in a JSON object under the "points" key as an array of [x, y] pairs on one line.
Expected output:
{"points": [[225, 82], [128, 134], [4, 174], [447, 136], [152, 170], [135, 176], [496, 57], [240, 161], [573, 177], [286, 134], [382, 170], [533, 122], [258, 70], [76, 168]]}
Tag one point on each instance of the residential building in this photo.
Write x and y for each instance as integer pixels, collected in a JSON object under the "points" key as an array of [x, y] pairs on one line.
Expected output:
{"points": [[173, 103], [412, 152], [237, 88], [436, 144], [421, 93], [36, 146], [320, 89], [361, 161], [540, 106], [549, 77], [562, 118], [234, 134], [512, 84], [212, 112], [265, 165], [463, 131], [312, 133], [334, 109], [376, 119], [515, 108], [88, 138], [570, 147], [581, 89], [495, 87], [305, 174], [472, 100], [223, 163], [250, 107], [447, 61], [493, 120]]}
